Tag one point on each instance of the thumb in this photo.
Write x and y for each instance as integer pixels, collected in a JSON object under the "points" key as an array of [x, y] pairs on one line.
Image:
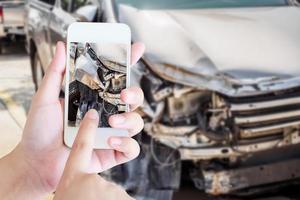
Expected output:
{"points": [[82, 148], [51, 85]]}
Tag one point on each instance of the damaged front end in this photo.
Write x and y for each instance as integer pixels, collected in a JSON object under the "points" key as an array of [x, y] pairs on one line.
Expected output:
{"points": [[222, 89], [97, 84], [229, 129]]}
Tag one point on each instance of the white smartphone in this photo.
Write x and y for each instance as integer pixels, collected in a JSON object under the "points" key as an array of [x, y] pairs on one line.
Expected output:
{"points": [[97, 70]]}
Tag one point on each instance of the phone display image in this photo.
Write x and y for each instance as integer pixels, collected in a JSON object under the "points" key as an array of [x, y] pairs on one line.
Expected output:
{"points": [[97, 76]]}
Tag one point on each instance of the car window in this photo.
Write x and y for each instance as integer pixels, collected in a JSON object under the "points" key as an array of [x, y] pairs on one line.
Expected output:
{"points": [[73, 5], [198, 4], [50, 2], [65, 5], [77, 4]]}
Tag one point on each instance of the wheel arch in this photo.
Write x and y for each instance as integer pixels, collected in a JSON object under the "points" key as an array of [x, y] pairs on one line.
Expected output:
{"points": [[32, 49], [33, 56]]}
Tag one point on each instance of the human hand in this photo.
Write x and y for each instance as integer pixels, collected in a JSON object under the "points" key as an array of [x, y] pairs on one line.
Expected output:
{"points": [[76, 182], [42, 146]]}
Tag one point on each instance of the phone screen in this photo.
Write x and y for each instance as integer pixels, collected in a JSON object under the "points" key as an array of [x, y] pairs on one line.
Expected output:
{"points": [[97, 75]]}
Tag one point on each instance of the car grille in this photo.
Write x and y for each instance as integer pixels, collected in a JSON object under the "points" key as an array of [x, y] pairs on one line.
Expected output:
{"points": [[266, 115]]}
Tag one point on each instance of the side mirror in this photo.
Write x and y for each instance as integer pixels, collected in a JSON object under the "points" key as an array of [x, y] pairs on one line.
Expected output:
{"points": [[86, 13]]}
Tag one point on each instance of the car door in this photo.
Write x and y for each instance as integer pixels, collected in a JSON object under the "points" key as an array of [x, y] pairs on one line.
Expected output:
{"points": [[38, 15], [64, 14], [60, 19]]}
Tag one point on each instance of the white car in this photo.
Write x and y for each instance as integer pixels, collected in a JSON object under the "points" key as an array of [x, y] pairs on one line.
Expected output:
{"points": [[11, 19], [222, 89]]}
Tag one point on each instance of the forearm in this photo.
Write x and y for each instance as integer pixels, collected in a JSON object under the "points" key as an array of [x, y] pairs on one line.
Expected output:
{"points": [[18, 180]]}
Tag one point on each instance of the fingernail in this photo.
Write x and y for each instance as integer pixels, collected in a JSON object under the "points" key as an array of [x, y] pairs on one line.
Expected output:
{"points": [[115, 142], [56, 48], [92, 114], [118, 119]]}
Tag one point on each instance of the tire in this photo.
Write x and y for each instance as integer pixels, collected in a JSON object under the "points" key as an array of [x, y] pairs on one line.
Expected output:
{"points": [[74, 96], [1, 46], [134, 177], [138, 178], [37, 71]]}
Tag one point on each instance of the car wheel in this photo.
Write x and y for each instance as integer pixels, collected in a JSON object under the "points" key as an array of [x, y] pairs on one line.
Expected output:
{"points": [[1, 46], [143, 179], [37, 71], [74, 97]]}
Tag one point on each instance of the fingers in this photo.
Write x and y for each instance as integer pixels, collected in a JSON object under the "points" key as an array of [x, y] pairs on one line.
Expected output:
{"points": [[132, 96], [126, 148], [51, 84], [131, 121], [137, 51], [82, 148]]}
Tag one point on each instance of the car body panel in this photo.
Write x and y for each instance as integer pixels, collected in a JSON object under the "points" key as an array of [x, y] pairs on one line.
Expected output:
{"points": [[58, 25], [228, 46], [38, 30]]}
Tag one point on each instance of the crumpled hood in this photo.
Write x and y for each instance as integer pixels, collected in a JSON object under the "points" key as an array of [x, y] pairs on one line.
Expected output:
{"points": [[243, 42]]}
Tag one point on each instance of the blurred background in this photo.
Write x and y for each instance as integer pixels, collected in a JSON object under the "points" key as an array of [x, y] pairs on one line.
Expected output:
{"points": [[222, 90]]}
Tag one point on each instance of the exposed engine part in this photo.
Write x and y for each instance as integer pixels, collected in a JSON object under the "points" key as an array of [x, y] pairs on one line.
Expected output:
{"points": [[118, 83], [155, 87], [185, 106], [90, 99]]}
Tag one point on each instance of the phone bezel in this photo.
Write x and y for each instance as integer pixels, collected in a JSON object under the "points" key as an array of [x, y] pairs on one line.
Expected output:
{"points": [[103, 33]]}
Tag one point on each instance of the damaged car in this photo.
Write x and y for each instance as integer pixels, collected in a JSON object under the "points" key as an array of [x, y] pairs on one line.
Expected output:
{"points": [[222, 91], [96, 81]]}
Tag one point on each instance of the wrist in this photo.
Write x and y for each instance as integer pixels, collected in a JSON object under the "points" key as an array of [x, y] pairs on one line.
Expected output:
{"points": [[18, 179]]}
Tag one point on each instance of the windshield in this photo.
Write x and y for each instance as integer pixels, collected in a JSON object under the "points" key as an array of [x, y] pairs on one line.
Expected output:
{"points": [[197, 4]]}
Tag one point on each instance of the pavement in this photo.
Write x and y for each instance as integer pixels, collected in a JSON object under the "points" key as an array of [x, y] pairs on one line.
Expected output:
{"points": [[16, 91]]}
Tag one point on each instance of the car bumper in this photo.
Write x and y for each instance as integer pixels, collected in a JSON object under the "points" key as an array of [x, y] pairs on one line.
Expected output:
{"points": [[190, 148], [14, 30]]}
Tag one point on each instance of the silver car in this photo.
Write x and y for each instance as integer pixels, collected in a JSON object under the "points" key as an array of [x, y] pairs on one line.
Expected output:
{"points": [[222, 90]]}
